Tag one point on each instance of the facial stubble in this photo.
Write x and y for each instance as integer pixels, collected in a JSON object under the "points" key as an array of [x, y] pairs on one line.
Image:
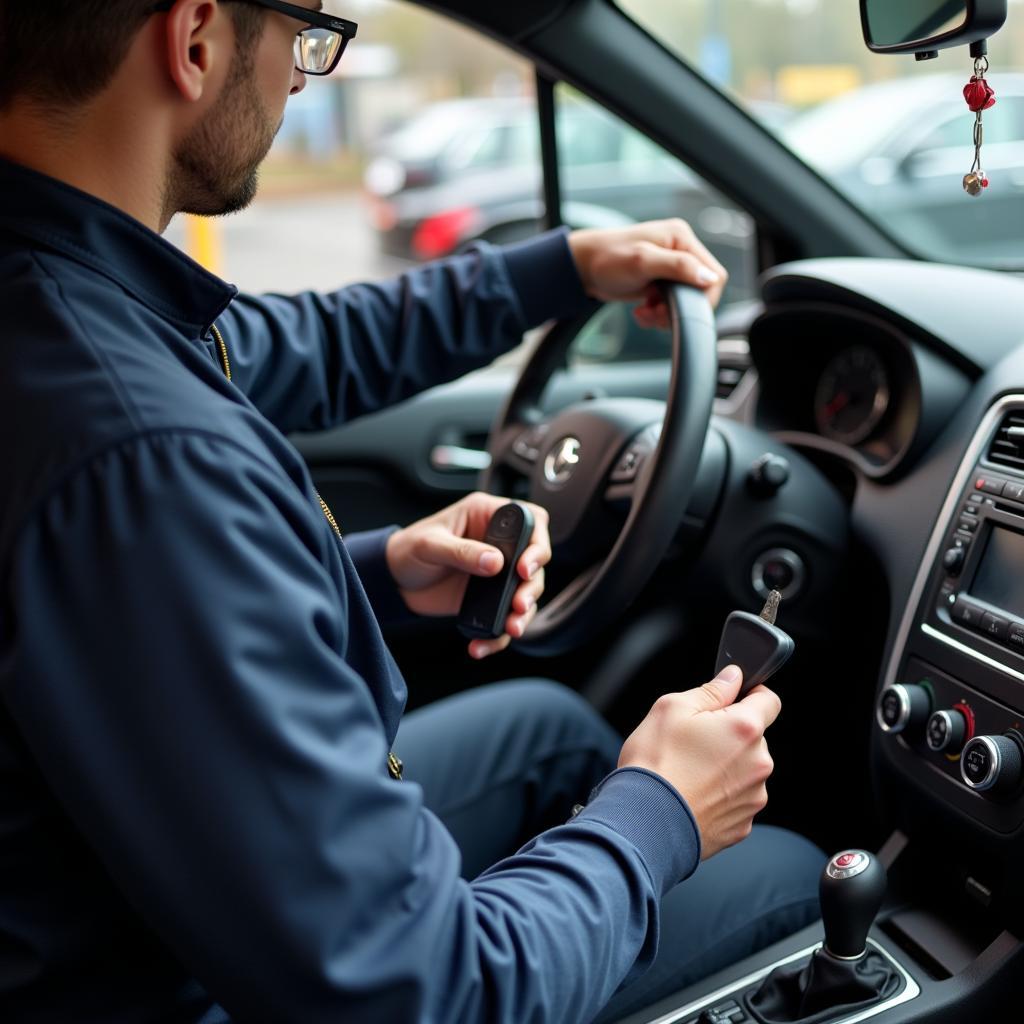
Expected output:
{"points": [[216, 168]]}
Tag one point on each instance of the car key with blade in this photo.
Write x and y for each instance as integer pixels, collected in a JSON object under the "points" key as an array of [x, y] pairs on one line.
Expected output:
{"points": [[488, 599], [755, 644]]}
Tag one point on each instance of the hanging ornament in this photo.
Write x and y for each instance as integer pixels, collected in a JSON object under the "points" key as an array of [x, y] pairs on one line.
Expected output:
{"points": [[979, 96]]}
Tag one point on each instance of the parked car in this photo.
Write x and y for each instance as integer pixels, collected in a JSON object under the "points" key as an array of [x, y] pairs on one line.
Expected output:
{"points": [[468, 169], [900, 148]]}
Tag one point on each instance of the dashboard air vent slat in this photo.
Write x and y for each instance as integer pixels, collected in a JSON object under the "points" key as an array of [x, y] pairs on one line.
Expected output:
{"points": [[1007, 448]]}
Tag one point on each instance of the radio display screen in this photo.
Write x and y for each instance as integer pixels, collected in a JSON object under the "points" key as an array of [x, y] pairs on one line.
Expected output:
{"points": [[999, 580]]}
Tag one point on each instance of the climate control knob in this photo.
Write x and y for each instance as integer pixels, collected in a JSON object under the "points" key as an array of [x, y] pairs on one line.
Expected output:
{"points": [[903, 707], [992, 764], [946, 731]]}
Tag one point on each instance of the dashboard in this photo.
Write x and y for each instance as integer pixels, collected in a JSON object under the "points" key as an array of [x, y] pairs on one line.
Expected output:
{"points": [[913, 376]]}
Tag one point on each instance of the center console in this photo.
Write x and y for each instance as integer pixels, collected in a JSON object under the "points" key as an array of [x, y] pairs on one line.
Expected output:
{"points": [[950, 714], [948, 757]]}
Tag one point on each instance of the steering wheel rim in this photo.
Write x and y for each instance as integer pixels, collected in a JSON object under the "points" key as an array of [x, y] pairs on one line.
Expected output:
{"points": [[663, 485]]}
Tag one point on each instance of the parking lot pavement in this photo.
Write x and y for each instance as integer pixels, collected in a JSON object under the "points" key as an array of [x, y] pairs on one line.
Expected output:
{"points": [[291, 244]]}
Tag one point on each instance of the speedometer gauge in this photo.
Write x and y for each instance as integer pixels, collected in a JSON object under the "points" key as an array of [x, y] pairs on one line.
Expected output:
{"points": [[852, 395]]}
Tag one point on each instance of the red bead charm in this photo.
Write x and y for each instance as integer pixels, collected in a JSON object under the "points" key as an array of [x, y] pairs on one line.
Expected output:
{"points": [[984, 182], [979, 94]]}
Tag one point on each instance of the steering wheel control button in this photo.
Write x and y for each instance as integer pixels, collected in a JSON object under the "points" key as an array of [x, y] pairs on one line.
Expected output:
{"points": [[561, 461], [778, 569], [768, 475], [994, 626], [953, 561], [626, 468], [527, 445], [946, 732], [991, 764], [903, 708]]}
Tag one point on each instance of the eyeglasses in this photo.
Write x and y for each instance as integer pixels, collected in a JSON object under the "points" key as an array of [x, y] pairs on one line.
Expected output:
{"points": [[318, 47]]}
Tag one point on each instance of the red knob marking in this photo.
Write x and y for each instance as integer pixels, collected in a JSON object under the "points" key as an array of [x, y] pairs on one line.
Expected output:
{"points": [[846, 860]]}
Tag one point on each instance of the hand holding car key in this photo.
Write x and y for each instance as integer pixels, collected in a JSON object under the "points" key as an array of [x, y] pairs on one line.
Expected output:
{"points": [[488, 599], [755, 644]]}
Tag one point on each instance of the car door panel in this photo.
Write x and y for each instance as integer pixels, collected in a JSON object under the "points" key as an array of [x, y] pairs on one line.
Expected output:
{"points": [[379, 470]]}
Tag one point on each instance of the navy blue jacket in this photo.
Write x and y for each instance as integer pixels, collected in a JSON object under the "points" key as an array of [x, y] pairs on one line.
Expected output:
{"points": [[196, 702]]}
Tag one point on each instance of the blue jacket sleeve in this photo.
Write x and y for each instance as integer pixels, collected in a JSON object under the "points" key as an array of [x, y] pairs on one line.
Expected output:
{"points": [[202, 724], [368, 550], [310, 361]]}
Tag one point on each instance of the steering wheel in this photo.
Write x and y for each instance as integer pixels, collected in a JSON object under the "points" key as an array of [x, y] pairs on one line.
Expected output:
{"points": [[596, 455]]}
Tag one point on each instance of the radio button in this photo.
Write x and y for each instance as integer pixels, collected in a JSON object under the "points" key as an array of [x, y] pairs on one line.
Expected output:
{"points": [[969, 510], [1014, 491], [974, 498], [966, 614], [989, 485], [970, 525], [994, 626], [1015, 635]]}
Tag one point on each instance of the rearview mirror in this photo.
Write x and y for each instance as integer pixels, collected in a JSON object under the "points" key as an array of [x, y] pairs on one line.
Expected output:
{"points": [[924, 27]]}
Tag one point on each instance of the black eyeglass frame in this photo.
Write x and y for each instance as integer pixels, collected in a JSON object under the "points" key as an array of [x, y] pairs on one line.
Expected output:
{"points": [[314, 19]]}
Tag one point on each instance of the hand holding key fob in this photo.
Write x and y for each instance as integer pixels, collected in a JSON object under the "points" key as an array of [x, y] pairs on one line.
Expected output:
{"points": [[488, 599], [755, 644]]}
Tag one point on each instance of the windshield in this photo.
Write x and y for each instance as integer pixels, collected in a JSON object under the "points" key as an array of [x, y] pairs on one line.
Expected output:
{"points": [[891, 133]]}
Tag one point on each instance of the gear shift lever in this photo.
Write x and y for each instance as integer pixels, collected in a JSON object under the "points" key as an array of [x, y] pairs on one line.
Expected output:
{"points": [[844, 975], [851, 891]]}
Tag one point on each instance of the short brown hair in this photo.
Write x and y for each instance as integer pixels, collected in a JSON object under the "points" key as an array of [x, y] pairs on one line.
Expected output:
{"points": [[64, 52]]}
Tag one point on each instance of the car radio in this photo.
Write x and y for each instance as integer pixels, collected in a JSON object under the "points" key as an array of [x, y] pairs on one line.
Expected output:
{"points": [[978, 583]]}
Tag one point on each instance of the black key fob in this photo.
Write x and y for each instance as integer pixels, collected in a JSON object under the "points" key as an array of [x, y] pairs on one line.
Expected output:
{"points": [[756, 645], [487, 601]]}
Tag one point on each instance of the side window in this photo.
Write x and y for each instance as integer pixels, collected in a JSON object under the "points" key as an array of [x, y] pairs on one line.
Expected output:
{"points": [[424, 139], [613, 174]]}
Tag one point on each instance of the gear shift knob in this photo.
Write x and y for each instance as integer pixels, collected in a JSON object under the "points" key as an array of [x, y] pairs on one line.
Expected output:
{"points": [[851, 890]]}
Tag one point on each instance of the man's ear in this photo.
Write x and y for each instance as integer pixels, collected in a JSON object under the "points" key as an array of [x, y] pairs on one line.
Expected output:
{"points": [[195, 39]]}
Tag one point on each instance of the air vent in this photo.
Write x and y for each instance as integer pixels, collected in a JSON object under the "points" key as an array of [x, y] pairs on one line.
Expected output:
{"points": [[733, 365], [1007, 447]]}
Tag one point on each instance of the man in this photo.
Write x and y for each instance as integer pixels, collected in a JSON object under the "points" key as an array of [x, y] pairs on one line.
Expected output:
{"points": [[200, 817]]}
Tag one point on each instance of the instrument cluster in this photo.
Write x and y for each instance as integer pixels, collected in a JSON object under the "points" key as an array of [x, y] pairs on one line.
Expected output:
{"points": [[839, 381]]}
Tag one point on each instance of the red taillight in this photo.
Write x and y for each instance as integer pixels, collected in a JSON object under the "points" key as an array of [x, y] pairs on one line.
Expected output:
{"points": [[440, 234]]}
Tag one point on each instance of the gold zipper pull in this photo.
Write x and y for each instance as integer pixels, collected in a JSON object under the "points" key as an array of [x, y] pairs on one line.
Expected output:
{"points": [[395, 767], [222, 349], [330, 515]]}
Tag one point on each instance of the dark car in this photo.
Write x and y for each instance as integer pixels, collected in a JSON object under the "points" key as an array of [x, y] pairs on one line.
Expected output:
{"points": [[471, 169], [899, 148]]}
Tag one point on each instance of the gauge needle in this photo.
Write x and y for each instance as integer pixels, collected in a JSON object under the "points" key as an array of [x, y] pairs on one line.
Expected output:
{"points": [[837, 405]]}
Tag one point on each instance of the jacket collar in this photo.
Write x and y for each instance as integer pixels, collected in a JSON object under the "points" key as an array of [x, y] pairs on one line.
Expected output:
{"points": [[108, 241]]}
